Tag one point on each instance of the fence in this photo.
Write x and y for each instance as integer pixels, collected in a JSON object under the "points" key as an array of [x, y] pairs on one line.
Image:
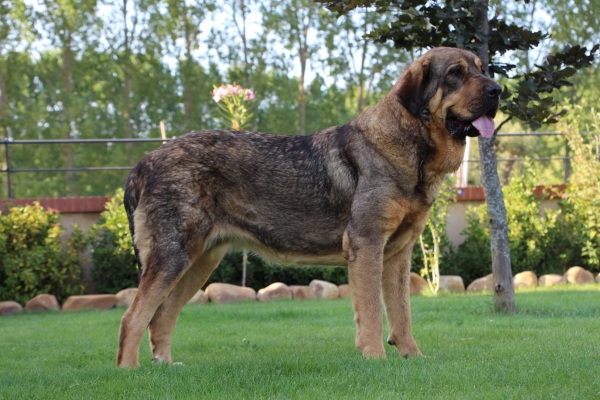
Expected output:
{"points": [[8, 170]]}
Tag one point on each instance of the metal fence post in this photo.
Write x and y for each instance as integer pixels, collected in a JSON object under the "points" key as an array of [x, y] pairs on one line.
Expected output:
{"points": [[567, 162], [6, 154], [7, 157]]}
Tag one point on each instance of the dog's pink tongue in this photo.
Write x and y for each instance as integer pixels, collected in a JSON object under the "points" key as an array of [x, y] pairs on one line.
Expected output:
{"points": [[485, 125]]}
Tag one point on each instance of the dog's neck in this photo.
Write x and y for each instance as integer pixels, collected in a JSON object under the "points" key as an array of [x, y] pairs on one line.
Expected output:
{"points": [[388, 123]]}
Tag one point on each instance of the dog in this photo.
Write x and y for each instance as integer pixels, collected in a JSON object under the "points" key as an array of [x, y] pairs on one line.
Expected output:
{"points": [[356, 195]]}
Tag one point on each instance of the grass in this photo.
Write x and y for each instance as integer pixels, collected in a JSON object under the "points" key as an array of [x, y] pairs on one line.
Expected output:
{"points": [[294, 349]]}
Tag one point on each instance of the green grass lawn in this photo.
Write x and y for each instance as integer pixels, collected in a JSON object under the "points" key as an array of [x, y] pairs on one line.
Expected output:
{"points": [[295, 349]]}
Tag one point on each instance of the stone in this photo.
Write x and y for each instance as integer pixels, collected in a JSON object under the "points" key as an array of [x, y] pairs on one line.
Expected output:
{"points": [[274, 291], [199, 298], [598, 278], [42, 302], [226, 293], [579, 276], [302, 293], [344, 291], [324, 289], [525, 279], [125, 297], [551, 280], [485, 284], [417, 284], [10, 307], [452, 284], [90, 302]]}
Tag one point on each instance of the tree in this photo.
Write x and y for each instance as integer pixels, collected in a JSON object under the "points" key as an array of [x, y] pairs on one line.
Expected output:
{"points": [[71, 23], [14, 29], [362, 63], [183, 21], [293, 21], [466, 24]]}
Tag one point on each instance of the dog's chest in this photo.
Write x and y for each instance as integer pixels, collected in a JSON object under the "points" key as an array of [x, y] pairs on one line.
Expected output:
{"points": [[410, 228]]}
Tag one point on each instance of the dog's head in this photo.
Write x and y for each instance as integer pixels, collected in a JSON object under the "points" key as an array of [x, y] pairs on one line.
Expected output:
{"points": [[446, 86]]}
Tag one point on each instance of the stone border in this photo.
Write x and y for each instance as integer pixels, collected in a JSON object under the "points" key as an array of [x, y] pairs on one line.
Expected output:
{"points": [[318, 289]]}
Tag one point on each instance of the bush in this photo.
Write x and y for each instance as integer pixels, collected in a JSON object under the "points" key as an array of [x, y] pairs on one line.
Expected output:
{"points": [[32, 258], [472, 259], [115, 267], [581, 205], [262, 273], [538, 238]]}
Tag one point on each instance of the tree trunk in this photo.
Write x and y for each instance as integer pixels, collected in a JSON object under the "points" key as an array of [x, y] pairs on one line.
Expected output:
{"points": [[127, 86], [187, 92], [67, 77], [504, 292], [302, 94]]}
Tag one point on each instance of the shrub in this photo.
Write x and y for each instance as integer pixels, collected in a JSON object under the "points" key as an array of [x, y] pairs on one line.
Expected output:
{"points": [[537, 237], [581, 205], [262, 273], [32, 258], [472, 259], [115, 267], [428, 257]]}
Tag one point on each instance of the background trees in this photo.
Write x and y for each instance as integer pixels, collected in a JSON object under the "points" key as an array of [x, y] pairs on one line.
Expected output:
{"points": [[116, 68]]}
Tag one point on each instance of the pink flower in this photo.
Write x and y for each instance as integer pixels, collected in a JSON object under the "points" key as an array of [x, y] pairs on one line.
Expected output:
{"points": [[224, 91]]}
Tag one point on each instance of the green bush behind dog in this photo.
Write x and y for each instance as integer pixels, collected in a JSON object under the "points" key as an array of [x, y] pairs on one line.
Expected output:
{"points": [[32, 257]]}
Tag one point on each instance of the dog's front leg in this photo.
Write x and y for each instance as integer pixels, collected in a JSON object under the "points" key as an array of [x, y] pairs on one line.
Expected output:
{"points": [[365, 265], [396, 295]]}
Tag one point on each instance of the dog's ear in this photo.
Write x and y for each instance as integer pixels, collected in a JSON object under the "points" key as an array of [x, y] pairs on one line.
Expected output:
{"points": [[412, 86]]}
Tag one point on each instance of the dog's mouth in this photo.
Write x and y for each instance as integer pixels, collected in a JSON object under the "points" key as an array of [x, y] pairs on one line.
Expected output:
{"points": [[460, 128]]}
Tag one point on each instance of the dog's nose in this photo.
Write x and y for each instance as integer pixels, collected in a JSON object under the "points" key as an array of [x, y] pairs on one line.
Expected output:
{"points": [[493, 90]]}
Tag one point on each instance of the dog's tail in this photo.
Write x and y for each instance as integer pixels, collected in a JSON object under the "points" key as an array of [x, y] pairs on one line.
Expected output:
{"points": [[130, 201]]}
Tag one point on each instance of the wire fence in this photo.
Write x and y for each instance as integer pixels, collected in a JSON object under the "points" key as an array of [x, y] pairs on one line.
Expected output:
{"points": [[465, 176]]}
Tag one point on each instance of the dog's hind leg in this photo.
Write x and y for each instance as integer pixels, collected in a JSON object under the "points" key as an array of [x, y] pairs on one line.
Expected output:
{"points": [[396, 296], [164, 320], [166, 253], [162, 271]]}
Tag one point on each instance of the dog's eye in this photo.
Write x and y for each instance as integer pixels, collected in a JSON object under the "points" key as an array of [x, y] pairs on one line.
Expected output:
{"points": [[456, 72]]}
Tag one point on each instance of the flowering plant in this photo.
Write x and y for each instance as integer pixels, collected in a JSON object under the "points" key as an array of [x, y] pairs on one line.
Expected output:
{"points": [[232, 101]]}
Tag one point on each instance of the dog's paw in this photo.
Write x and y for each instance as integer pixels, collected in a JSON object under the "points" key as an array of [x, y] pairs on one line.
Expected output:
{"points": [[406, 347], [409, 351]]}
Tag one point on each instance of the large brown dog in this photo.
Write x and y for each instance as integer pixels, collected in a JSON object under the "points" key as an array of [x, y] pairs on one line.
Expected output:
{"points": [[356, 195]]}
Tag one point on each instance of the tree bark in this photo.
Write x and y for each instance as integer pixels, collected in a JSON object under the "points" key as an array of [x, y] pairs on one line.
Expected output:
{"points": [[504, 292], [242, 33], [303, 52], [187, 91], [68, 78], [127, 85]]}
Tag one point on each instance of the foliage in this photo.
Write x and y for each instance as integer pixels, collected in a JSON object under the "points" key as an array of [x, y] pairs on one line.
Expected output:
{"points": [[434, 239], [472, 259], [581, 204], [539, 239], [262, 273], [424, 24], [115, 266], [32, 258]]}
